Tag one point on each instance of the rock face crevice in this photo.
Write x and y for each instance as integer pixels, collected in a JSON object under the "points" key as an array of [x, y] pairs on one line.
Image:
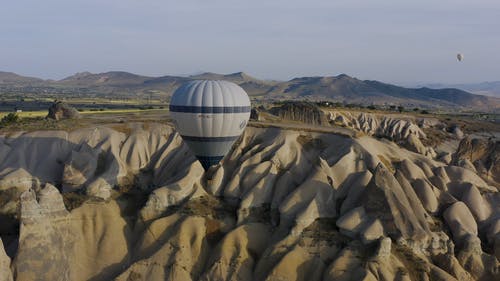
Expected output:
{"points": [[5, 272], [282, 205], [481, 155]]}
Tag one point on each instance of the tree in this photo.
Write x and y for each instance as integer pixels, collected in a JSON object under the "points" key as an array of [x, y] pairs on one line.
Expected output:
{"points": [[8, 119], [401, 109]]}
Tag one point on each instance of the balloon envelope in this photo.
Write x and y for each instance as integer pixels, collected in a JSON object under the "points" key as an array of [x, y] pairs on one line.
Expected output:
{"points": [[210, 116], [460, 57]]}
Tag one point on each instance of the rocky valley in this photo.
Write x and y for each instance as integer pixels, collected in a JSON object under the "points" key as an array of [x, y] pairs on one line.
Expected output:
{"points": [[358, 197]]}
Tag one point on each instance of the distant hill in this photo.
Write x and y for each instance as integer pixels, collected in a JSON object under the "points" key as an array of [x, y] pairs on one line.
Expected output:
{"points": [[12, 78], [344, 88], [237, 77], [252, 85], [484, 88], [112, 78], [341, 88]]}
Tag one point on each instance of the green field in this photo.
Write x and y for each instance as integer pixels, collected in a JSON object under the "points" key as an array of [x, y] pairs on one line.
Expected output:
{"points": [[43, 113]]}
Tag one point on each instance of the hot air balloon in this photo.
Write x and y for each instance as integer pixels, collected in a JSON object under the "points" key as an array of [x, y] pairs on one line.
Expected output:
{"points": [[460, 57], [210, 116]]}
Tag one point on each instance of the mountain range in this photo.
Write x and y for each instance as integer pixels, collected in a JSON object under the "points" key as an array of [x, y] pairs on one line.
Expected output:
{"points": [[341, 88], [489, 88]]}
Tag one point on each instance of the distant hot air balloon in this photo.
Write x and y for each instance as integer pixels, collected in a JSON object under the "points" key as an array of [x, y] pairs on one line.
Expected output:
{"points": [[460, 57], [210, 116]]}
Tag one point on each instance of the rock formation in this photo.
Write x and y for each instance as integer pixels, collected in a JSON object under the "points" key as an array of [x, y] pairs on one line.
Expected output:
{"points": [[304, 112], [483, 155], [5, 273], [133, 204], [61, 110]]}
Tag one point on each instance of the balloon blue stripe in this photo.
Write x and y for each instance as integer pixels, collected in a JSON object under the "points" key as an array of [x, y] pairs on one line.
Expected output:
{"points": [[210, 109], [210, 139], [209, 158], [208, 161]]}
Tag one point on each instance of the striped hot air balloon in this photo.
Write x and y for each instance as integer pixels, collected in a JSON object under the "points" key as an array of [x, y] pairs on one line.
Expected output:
{"points": [[210, 116]]}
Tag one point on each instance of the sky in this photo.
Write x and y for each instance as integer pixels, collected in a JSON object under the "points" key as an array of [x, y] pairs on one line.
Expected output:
{"points": [[394, 41]]}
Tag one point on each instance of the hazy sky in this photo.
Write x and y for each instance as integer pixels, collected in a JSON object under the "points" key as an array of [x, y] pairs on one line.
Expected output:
{"points": [[388, 40]]}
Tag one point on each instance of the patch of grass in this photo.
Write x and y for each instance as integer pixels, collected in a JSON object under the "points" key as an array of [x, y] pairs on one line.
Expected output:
{"points": [[208, 207], [40, 123], [115, 111], [214, 232], [134, 276], [7, 195], [387, 163], [122, 128], [9, 119], [434, 137], [262, 214], [470, 126], [310, 143], [303, 139], [324, 229], [73, 200], [415, 266], [26, 114], [146, 126], [436, 225]]}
